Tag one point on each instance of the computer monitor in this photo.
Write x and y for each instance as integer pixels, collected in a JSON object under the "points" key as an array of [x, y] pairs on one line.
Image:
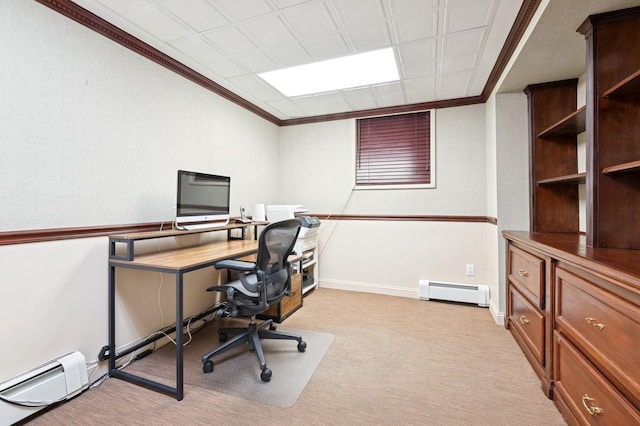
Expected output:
{"points": [[202, 200]]}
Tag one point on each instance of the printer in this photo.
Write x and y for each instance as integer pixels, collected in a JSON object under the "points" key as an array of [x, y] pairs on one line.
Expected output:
{"points": [[277, 213], [308, 236]]}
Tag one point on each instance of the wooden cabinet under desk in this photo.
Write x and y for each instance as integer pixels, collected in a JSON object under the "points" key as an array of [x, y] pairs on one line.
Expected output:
{"points": [[289, 304], [583, 342]]}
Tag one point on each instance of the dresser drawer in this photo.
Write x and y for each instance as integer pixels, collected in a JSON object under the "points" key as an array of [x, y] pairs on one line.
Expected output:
{"points": [[527, 271], [528, 322], [589, 396], [605, 327]]}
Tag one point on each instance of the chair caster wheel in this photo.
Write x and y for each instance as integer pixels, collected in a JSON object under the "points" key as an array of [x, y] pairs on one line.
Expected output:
{"points": [[265, 375], [222, 337], [208, 367], [273, 327], [302, 346]]}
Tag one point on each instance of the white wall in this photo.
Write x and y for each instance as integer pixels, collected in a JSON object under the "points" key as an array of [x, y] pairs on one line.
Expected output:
{"points": [[512, 171], [390, 257], [92, 134]]}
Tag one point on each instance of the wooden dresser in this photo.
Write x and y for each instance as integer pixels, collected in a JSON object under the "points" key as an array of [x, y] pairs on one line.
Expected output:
{"points": [[573, 295], [575, 312]]}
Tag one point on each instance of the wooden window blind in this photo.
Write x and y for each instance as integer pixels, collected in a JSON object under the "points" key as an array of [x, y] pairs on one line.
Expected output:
{"points": [[394, 150]]}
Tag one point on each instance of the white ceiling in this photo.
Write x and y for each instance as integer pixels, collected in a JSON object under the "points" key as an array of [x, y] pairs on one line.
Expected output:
{"points": [[445, 49]]}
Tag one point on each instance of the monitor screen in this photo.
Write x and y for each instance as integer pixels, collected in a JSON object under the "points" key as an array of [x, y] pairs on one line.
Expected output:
{"points": [[202, 197]]}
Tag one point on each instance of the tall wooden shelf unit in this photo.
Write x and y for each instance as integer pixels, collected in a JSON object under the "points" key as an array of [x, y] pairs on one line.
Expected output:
{"points": [[613, 129], [573, 300], [555, 123]]}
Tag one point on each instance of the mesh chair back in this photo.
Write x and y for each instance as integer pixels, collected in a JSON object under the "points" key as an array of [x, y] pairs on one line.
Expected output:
{"points": [[275, 245]]}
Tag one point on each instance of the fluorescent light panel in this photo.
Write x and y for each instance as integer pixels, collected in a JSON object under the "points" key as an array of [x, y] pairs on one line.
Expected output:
{"points": [[358, 70]]}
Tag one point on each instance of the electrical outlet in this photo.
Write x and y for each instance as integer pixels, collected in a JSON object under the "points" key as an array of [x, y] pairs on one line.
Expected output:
{"points": [[471, 269]]}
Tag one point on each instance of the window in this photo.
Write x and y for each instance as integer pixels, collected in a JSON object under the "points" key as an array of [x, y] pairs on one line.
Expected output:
{"points": [[395, 151]]}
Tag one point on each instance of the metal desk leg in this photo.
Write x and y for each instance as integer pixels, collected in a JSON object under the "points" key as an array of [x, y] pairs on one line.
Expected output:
{"points": [[179, 336], [112, 319]]}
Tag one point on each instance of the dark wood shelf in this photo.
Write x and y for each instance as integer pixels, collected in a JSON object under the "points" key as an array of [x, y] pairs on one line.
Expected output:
{"points": [[576, 178], [628, 86], [632, 166], [571, 125]]}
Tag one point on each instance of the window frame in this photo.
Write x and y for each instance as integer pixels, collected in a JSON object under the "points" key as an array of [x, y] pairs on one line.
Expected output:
{"points": [[431, 149]]}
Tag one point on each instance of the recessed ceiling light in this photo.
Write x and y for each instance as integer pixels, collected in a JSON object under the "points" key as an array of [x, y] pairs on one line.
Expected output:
{"points": [[358, 70]]}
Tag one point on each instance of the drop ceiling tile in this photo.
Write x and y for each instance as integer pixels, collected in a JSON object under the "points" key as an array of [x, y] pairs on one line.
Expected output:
{"points": [[370, 38], [161, 25], [359, 13], [330, 47], [256, 62], [231, 41], [418, 69], [332, 102], [198, 48], [283, 4], [462, 43], [311, 19], [286, 107], [458, 63], [410, 6], [127, 7], [256, 87], [417, 51], [268, 31], [288, 56], [467, 15], [241, 10], [360, 98], [416, 26], [309, 105], [453, 85], [198, 14], [226, 69], [420, 89], [388, 94]]}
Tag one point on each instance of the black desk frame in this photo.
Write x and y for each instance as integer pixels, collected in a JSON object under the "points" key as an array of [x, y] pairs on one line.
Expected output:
{"points": [[178, 390]]}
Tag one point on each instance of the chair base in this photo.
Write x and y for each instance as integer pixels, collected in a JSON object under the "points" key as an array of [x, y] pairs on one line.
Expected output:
{"points": [[251, 335]]}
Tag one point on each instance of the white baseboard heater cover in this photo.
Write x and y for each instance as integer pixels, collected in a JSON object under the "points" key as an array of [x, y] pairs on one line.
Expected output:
{"points": [[53, 382], [454, 292]]}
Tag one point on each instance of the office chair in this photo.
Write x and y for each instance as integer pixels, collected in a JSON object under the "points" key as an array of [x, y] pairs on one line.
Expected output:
{"points": [[261, 284]]}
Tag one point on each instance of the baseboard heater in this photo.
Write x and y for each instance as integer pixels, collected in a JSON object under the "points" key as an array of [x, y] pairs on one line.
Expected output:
{"points": [[53, 382], [454, 292]]}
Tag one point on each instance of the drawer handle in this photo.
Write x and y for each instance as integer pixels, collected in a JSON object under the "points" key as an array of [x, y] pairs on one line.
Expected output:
{"points": [[523, 273], [591, 409], [594, 323], [524, 320]]}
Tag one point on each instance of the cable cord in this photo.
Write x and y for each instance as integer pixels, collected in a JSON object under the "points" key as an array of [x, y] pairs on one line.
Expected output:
{"points": [[344, 207]]}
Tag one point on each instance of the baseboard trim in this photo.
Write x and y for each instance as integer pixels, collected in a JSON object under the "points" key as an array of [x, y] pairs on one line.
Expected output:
{"points": [[409, 292], [498, 316], [369, 288]]}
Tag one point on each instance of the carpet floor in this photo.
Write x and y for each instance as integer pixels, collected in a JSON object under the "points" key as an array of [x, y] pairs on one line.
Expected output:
{"points": [[237, 371], [394, 361]]}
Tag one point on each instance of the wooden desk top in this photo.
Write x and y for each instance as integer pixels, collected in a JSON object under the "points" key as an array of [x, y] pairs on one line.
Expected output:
{"points": [[188, 258]]}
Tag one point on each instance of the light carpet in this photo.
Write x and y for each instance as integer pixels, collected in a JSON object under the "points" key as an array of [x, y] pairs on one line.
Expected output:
{"points": [[237, 372]]}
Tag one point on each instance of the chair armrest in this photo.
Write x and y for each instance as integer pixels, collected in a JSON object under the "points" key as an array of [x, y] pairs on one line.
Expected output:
{"points": [[236, 265]]}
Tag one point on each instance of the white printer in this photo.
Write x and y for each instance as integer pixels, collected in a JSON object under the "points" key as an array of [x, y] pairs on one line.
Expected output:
{"points": [[276, 213], [307, 243]]}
